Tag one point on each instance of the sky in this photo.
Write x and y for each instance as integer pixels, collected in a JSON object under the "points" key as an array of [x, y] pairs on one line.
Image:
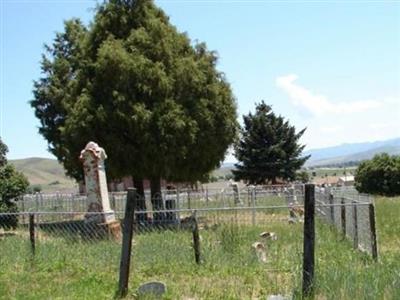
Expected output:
{"points": [[332, 67]]}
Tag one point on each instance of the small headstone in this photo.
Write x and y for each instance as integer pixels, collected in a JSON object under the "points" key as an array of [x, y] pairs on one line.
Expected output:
{"points": [[278, 297], [155, 288], [260, 251], [269, 235]]}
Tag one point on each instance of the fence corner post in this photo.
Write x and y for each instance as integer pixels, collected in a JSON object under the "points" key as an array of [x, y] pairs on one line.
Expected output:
{"points": [[127, 232], [309, 241]]}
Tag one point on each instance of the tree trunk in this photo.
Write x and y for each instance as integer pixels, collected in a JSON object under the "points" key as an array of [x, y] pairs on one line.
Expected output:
{"points": [[156, 199], [141, 201]]}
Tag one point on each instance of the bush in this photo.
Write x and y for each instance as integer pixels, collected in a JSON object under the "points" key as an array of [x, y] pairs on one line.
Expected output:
{"points": [[36, 188], [380, 175], [12, 185]]}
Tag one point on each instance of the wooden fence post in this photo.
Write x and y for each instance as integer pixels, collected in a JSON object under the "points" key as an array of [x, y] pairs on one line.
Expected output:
{"points": [[126, 243], [196, 238], [332, 211], [343, 216], [309, 241], [355, 226], [374, 244], [32, 232]]}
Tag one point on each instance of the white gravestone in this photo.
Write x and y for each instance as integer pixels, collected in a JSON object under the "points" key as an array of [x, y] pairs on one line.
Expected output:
{"points": [[93, 158]]}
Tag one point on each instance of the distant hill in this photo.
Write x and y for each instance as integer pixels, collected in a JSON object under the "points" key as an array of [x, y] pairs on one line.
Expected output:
{"points": [[351, 152], [48, 173]]}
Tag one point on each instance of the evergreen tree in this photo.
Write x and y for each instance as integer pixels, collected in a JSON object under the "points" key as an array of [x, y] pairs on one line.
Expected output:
{"points": [[268, 148], [139, 88]]}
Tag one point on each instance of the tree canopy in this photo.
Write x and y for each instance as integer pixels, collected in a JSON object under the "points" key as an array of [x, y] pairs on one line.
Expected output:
{"points": [[12, 185], [379, 175], [139, 88], [268, 148]]}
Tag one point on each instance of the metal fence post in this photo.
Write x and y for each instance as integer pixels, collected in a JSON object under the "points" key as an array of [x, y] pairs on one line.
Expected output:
{"points": [[23, 208], [343, 216], [37, 201], [253, 205], [178, 205], [127, 242], [207, 196], [355, 221], [309, 239], [374, 245]]}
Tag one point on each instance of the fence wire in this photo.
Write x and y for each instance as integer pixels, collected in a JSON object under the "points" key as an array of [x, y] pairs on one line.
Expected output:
{"points": [[242, 230], [249, 229], [350, 213]]}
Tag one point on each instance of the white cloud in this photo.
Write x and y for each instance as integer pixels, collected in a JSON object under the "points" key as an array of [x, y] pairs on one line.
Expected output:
{"points": [[331, 129], [319, 104]]}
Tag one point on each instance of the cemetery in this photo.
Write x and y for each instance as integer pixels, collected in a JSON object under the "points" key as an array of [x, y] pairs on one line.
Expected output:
{"points": [[234, 244], [136, 108]]}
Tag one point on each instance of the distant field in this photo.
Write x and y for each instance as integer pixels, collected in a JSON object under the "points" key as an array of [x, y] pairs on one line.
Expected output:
{"points": [[332, 171], [47, 173]]}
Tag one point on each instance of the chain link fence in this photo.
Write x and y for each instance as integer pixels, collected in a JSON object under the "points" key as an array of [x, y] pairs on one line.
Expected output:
{"points": [[245, 236], [351, 213], [240, 230]]}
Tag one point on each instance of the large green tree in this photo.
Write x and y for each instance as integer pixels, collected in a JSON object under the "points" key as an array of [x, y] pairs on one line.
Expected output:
{"points": [[134, 84], [12, 185], [268, 148], [379, 175]]}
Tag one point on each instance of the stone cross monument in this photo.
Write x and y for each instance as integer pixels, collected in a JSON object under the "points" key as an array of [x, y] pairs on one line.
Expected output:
{"points": [[93, 158]]}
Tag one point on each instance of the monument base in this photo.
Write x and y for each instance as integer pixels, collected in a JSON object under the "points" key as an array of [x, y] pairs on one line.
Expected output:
{"points": [[103, 225], [113, 230]]}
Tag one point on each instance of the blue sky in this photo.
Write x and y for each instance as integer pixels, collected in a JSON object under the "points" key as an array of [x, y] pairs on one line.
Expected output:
{"points": [[330, 66]]}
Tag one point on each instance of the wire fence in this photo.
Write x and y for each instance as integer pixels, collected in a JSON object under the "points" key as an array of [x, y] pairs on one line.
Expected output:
{"points": [[351, 213], [240, 230], [177, 198]]}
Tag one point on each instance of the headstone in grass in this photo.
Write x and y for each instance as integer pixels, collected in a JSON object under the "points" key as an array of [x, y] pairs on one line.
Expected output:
{"points": [[260, 251], [99, 210], [153, 288], [269, 235], [278, 297]]}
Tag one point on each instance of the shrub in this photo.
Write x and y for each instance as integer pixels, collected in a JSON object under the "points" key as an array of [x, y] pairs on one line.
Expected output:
{"points": [[12, 185], [380, 175]]}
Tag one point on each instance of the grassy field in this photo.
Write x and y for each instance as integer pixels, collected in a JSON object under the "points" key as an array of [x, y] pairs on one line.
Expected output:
{"points": [[63, 269]]}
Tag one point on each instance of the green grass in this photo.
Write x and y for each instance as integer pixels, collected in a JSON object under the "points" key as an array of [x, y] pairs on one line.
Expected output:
{"points": [[63, 269]]}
